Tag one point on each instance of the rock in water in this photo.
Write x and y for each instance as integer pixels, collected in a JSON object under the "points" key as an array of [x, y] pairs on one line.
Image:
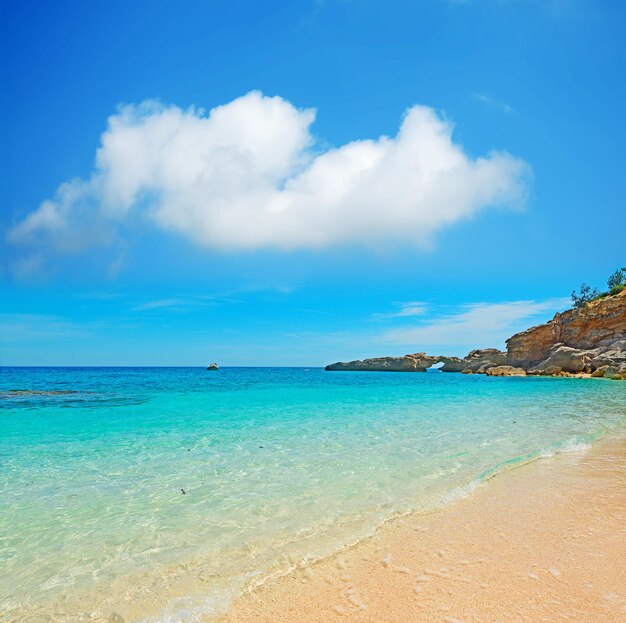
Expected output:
{"points": [[505, 371], [416, 362]]}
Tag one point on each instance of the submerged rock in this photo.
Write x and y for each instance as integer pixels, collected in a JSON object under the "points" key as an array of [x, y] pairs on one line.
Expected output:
{"points": [[27, 393]]}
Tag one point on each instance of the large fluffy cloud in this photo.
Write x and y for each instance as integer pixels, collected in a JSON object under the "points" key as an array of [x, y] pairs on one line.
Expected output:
{"points": [[248, 175]]}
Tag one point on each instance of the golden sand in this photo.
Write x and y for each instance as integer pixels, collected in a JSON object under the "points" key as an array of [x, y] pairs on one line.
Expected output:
{"points": [[545, 542]]}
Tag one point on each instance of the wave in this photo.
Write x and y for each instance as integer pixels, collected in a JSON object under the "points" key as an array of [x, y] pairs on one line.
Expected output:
{"points": [[196, 609], [578, 443], [218, 602]]}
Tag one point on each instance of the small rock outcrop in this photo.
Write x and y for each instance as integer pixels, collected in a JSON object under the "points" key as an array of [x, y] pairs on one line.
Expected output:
{"points": [[564, 359], [505, 371], [615, 373], [479, 361]]}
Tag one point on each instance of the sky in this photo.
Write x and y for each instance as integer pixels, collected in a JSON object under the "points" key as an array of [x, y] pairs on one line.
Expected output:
{"points": [[297, 183]]}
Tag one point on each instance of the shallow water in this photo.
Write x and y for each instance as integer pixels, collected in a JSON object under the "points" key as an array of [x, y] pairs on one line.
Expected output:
{"points": [[277, 465]]}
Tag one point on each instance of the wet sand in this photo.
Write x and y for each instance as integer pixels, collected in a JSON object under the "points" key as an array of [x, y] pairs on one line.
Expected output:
{"points": [[544, 542]]}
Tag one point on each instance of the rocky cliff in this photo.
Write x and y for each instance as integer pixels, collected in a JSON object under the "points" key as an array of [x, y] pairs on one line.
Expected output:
{"points": [[578, 340], [583, 328], [586, 341]]}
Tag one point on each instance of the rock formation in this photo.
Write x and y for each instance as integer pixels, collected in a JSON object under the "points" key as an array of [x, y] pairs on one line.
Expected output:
{"points": [[505, 371], [584, 341], [417, 362], [597, 324], [477, 361]]}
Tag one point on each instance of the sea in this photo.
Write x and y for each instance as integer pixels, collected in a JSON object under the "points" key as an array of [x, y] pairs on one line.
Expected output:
{"points": [[158, 495]]}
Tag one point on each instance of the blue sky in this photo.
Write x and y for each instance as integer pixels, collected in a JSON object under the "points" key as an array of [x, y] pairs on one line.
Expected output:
{"points": [[296, 183]]}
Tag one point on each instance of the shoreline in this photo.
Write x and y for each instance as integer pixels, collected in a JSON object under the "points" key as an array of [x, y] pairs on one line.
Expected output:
{"points": [[541, 542], [203, 586]]}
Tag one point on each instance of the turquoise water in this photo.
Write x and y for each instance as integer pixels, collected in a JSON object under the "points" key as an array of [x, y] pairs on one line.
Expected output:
{"points": [[278, 466]]}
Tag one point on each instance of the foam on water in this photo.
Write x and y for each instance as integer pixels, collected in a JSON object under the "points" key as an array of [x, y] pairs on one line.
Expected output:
{"points": [[279, 467], [194, 609]]}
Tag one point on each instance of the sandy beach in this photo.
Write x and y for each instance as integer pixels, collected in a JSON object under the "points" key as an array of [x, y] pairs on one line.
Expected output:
{"points": [[313, 311], [544, 542]]}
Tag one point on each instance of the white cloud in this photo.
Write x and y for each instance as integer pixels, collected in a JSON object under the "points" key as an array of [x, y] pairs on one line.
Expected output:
{"points": [[247, 175], [99, 295], [28, 267], [477, 325], [491, 101], [164, 303], [555, 7], [406, 310], [16, 328]]}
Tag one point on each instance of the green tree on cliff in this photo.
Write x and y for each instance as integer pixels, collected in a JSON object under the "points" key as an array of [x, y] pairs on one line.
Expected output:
{"points": [[586, 295], [616, 283]]}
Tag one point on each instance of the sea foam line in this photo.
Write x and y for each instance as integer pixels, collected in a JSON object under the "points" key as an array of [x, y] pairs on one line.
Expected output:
{"points": [[196, 610]]}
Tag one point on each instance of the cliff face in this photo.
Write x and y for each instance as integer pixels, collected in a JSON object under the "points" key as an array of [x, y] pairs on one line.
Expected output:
{"points": [[593, 326]]}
